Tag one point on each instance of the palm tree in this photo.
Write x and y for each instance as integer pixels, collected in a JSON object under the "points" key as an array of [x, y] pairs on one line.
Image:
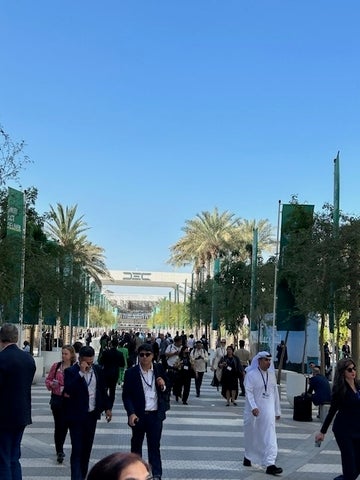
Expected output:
{"points": [[68, 232], [243, 238], [206, 237], [65, 229], [213, 235], [92, 257], [79, 259]]}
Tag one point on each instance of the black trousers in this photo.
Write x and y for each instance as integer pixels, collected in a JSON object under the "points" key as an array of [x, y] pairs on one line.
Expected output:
{"points": [[350, 455], [111, 382], [60, 427], [173, 375], [198, 381], [185, 385], [241, 381], [82, 437], [151, 426]]}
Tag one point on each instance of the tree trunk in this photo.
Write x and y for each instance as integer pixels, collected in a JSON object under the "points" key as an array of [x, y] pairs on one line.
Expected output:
{"points": [[355, 342], [321, 344], [282, 359]]}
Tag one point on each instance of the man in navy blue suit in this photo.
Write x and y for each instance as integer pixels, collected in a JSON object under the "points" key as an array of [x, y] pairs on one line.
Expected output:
{"points": [[17, 369], [145, 392], [85, 398]]}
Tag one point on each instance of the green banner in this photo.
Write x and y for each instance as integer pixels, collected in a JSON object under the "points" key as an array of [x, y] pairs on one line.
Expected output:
{"points": [[14, 230], [15, 212], [294, 217]]}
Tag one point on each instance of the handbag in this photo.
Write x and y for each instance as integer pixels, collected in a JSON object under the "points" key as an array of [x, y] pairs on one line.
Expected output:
{"points": [[166, 399], [163, 396], [56, 401]]}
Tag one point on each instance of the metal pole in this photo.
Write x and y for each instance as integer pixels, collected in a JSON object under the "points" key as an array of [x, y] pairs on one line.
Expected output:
{"points": [[275, 280], [253, 280], [22, 274]]}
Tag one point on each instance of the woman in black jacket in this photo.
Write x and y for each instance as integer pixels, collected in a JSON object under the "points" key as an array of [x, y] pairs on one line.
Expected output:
{"points": [[186, 373], [231, 371], [345, 404]]}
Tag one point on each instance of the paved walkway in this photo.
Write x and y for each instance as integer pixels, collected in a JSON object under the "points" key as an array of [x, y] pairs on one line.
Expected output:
{"points": [[203, 440]]}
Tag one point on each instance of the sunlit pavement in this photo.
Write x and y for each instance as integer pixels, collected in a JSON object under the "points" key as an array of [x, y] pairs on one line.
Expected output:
{"points": [[202, 440]]}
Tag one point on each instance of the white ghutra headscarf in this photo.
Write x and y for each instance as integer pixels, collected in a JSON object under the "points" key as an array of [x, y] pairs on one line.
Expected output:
{"points": [[255, 362]]}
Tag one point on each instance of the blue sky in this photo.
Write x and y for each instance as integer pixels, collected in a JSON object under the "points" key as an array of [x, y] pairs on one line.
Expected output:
{"points": [[145, 113]]}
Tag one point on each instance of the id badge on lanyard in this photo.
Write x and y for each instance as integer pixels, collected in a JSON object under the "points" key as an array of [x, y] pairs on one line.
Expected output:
{"points": [[265, 394]]}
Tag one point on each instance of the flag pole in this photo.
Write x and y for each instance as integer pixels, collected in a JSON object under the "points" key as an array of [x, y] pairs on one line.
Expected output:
{"points": [[275, 280], [254, 255], [22, 274], [336, 222]]}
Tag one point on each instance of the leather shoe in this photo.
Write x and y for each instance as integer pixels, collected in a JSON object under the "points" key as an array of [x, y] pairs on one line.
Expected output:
{"points": [[246, 462], [60, 457], [273, 470]]}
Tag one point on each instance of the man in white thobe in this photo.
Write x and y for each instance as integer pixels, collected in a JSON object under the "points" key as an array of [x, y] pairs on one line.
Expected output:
{"points": [[262, 408]]}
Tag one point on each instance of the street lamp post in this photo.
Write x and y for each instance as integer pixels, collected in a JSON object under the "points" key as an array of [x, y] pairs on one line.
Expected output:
{"points": [[202, 281]]}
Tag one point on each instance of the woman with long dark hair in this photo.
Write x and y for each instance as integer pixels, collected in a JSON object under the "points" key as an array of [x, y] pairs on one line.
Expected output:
{"points": [[55, 383], [120, 466], [345, 404]]}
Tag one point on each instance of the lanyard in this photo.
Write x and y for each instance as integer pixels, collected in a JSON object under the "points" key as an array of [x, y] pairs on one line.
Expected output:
{"points": [[91, 377], [150, 385], [263, 379]]}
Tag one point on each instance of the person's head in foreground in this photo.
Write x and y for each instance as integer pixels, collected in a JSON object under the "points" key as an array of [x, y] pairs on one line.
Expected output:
{"points": [[120, 466]]}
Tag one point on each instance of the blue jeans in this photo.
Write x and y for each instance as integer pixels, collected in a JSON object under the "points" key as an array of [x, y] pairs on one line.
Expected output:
{"points": [[10, 453]]}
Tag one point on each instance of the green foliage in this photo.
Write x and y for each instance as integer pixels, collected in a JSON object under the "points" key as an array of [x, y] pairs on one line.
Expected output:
{"points": [[99, 317], [169, 315], [57, 270], [12, 158]]}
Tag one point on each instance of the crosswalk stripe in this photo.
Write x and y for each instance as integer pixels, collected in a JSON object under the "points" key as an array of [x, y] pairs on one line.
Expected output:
{"points": [[202, 440]]}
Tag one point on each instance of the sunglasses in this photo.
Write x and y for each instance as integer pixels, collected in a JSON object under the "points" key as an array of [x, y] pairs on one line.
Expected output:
{"points": [[144, 354], [351, 369]]}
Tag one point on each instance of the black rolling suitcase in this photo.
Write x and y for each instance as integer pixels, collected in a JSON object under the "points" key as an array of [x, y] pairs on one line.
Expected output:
{"points": [[303, 406]]}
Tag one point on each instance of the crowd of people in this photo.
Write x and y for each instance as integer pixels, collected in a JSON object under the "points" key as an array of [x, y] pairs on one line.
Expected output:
{"points": [[150, 371]]}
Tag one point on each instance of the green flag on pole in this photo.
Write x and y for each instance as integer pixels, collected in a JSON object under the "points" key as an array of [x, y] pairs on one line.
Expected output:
{"points": [[15, 213], [254, 262], [15, 230], [294, 217]]}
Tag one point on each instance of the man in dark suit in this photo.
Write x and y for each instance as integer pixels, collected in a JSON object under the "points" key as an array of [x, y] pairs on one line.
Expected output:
{"points": [[319, 388], [145, 392], [85, 398], [112, 360], [17, 369]]}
